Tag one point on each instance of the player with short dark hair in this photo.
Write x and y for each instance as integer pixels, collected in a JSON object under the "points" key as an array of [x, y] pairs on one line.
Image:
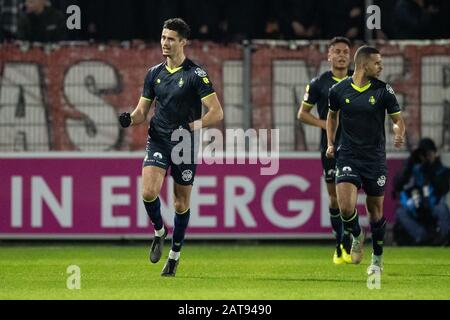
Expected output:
{"points": [[180, 88], [317, 93], [361, 102]]}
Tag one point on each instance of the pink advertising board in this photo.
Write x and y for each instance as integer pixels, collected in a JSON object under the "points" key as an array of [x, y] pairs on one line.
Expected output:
{"points": [[97, 196]]}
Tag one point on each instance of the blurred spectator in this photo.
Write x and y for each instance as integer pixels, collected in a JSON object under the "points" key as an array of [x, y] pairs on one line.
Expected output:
{"points": [[304, 17], [344, 18], [440, 28], [205, 19], [414, 19], [9, 18], [245, 19], [115, 20], [423, 186], [148, 29], [62, 5], [233, 20], [41, 22], [276, 16], [165, 10], [387, 30]]}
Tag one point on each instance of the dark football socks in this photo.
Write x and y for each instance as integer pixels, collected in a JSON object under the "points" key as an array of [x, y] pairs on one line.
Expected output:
{"points": [[336, 224], [180, 224], [153, 209], [351, 224], [378, 230]]}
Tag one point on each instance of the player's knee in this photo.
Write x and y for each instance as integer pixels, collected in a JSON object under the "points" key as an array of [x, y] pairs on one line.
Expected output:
{"points": [[149, 194], [346, 211], [181, 205]]}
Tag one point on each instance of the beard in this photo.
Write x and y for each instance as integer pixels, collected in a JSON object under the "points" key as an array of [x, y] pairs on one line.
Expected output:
{"points": [[340, 66]]}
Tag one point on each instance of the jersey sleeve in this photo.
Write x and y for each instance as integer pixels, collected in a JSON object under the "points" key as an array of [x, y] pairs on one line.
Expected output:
{"points": [[333, 100], [390, 101], [312, 93], [148, 93], [202, 84]]}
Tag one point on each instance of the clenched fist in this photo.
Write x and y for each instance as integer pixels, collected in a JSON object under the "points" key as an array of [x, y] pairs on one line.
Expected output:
{"points": [[125, 119], [330, 152]]}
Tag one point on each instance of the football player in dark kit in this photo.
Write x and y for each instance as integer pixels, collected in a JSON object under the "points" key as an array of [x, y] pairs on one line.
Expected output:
{"points": [[362, 102], [180, 88], [317, 93]]}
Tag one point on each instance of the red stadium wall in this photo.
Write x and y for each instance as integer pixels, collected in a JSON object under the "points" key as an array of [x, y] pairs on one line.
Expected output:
{"points": [[116, 75], [81, 89]]}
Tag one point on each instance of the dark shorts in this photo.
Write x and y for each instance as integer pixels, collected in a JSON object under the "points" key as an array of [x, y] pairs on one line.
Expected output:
{"points": [[329, 168], [159, 154], [371, 176]]}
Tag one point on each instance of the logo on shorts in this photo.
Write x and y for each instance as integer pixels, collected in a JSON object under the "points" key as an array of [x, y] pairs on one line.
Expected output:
{"points": [[200, 72], [347, 169], [157, 155], [186, 175], [331, 172], [381, 181]]}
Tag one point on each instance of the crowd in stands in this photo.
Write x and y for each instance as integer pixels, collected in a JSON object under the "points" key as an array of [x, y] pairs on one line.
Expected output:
{"points": [[222, 20]]}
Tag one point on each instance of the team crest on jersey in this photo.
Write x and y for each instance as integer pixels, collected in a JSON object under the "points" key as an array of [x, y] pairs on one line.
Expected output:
{"points": [[381, 181], [389, 88], [200, 72], [186, 175], [372, 100], [181, 82]]}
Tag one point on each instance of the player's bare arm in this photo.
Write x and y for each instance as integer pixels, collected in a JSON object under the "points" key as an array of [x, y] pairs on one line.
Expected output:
{"points": [[399, 129], [213, 115], [331, 127], [139, 115], [305, 116]]}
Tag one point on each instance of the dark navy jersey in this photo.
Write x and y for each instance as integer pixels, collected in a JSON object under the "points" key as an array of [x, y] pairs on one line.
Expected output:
{"points": [[178, 93], [362, 117], [317, 93]]}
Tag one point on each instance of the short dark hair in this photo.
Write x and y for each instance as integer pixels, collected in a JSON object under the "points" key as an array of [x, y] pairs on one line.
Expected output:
{"points": [[178, 25], [339, 40], [364, 52]]}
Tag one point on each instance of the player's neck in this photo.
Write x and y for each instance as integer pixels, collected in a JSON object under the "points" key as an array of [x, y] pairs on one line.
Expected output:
{"points": [[360, 79], [175, 62], [339, 73]]}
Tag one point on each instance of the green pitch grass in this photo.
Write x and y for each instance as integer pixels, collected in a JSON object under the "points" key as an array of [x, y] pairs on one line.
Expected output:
{"points": [[219, 271]]}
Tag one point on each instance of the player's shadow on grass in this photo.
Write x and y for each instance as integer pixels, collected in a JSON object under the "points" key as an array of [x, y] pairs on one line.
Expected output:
{"points": [[271, 279]]}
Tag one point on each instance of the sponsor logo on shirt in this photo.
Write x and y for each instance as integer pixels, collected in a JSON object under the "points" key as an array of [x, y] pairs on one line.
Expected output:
{"points": [[200, 72], [389, 88]]}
